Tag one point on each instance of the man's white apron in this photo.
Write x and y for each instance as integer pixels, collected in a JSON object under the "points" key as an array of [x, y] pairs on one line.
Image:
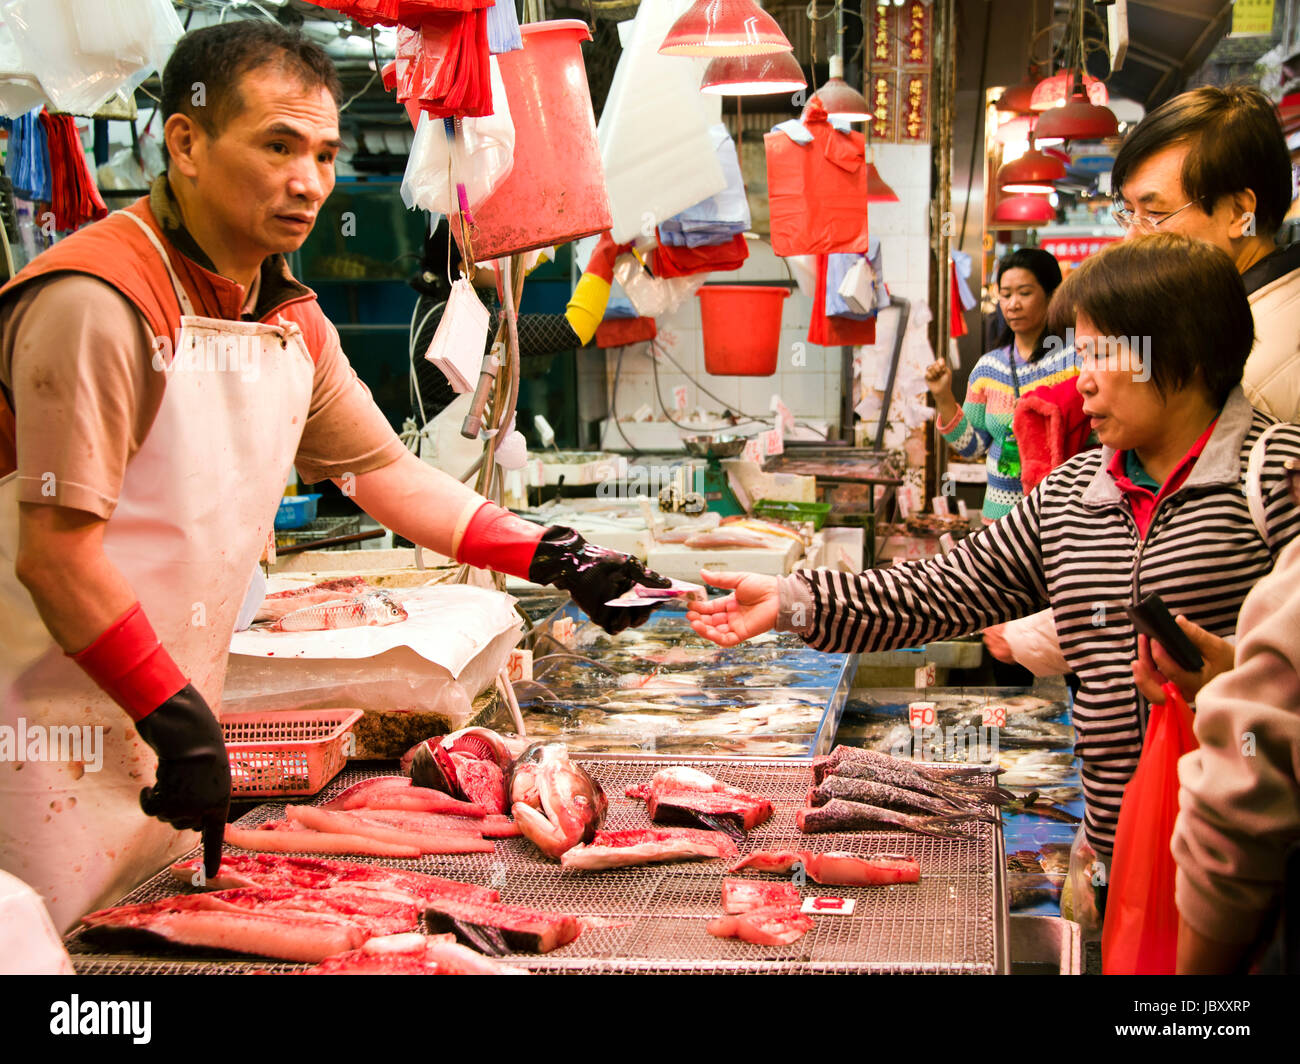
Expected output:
{"points": [[196, 506]]}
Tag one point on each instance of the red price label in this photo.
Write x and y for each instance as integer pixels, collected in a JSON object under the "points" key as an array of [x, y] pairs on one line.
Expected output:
{"points": [[562, 629], [922, 714], [753, 452], [773, 443], [519, 666], [994, 716], [679, 398]]}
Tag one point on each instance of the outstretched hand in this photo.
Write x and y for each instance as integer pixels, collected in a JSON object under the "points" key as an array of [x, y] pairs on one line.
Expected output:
{"points": [[748, 611], [1154, 667]]}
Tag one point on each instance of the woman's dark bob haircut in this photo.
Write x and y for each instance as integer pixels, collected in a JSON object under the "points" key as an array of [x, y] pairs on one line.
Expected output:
{"points": [[1184, 294]]}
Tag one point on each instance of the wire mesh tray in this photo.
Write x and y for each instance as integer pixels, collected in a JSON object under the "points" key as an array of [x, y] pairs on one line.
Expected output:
{"points": [[652, 919]]}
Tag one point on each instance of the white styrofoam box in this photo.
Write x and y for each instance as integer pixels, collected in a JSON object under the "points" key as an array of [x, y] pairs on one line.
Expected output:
{"points": [[677, 561], [843, 548]]}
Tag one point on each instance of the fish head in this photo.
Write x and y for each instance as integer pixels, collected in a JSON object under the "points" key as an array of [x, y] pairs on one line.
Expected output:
{"points": [[556, 802]]}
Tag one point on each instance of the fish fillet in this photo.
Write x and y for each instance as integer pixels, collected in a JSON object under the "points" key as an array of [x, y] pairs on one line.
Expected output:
{"points": [[498, 928], [674, 795], [742, 895], [773, 926], [413, 954], [316, 873], [835, 868], [315, 842], [397, 792], [357, 824], [618, 849]]}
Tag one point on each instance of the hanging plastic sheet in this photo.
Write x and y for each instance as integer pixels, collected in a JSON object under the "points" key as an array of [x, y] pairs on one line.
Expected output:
{"points": [[503, 28], [817, 190], [443, 64], [74, 198], [654, 136], [669, 261], [84, 51], [720, 217], [477, 157], [836, 331], [850, 287]]}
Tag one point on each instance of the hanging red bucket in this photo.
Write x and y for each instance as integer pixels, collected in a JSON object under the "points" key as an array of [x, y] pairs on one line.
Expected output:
{"points": [[556, 190], [742, 328]]}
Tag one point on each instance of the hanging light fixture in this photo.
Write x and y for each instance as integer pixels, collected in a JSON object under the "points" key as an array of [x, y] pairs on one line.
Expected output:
{"points": [[1077, 120], [1020, 128], [1018, 211], [877, 190], [1033, 172], [753, 75], [724, 27], [1055, 91], [1017, 98], [841, 99]]}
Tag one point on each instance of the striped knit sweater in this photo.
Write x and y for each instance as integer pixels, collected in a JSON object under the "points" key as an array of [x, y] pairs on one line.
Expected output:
{"points": [[984, 426], [1073, 544]]}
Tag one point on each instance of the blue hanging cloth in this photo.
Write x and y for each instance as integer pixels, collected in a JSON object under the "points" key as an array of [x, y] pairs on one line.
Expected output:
{"points": [[503, 28]]}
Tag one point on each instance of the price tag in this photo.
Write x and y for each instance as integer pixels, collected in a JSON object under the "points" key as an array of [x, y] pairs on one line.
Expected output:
{"points": [[994, 716], [773, 443], [922, 714], [828, 906], [679, 398], [904, 502], [784, 419], [752, 452], [940, 505], [963, 510], [562, 629], [519, 666]]}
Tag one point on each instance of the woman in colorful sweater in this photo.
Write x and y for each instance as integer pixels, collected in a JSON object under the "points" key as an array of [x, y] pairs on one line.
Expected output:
{"points": [[1027, 358]]}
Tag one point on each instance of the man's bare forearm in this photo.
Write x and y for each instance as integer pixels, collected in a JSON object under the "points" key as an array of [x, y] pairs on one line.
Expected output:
{"points": [[77, 591], [419, 502]]}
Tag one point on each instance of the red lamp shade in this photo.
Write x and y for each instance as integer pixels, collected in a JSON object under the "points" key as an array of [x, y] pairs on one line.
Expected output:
{"points": [[841, 99], [1077, 120], [724, 27], [877, 190], [1055, 91], [1018, 129], [1017, 97], [1024, 210], [753, 75], [1033, 172]]}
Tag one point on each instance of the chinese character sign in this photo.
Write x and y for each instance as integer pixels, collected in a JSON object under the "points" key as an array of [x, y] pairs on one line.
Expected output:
{"points": [[898, 82]]}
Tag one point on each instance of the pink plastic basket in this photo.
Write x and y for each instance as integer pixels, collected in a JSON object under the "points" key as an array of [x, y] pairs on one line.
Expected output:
{"points": [[285, 753]]}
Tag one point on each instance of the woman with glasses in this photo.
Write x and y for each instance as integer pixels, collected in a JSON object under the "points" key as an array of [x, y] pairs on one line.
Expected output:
{"points": [[1026, 358], [1182, 499]]}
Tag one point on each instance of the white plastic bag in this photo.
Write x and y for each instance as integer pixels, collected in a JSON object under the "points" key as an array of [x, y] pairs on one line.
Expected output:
{"points": [[650, 296], [481, 157], [84, 51], [858, 288]]}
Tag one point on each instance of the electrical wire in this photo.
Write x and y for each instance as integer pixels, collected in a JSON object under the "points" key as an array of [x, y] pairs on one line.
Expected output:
{"points": [[613, 403]]}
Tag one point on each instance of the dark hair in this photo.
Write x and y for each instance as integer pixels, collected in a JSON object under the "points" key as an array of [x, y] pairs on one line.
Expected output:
{"points": [[217, 57], [1236, 143], [1185, 294], [1047, 271]]}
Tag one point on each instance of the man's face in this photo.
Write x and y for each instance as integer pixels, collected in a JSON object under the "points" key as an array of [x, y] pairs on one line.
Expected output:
{"points": [[1154, 191], [263, 178]]}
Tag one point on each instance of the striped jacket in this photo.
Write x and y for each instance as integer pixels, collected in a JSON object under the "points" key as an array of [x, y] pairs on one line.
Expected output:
{"points": [[1073, 544]]}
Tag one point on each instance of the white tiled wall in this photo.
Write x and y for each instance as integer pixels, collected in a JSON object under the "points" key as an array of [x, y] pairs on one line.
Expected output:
{"points": [[810, 389]]}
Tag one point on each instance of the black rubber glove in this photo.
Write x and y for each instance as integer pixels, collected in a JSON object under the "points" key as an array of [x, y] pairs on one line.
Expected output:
{"points": [[193, 787], [593, 576]]}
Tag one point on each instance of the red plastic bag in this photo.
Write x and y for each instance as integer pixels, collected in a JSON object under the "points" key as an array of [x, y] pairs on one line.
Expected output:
{"points": [[1140, 935], [817, 192], [834, 330], [669, 261]]}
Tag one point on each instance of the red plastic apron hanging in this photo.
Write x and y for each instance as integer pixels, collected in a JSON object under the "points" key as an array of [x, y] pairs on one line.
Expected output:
{"points": [[818, 191]]}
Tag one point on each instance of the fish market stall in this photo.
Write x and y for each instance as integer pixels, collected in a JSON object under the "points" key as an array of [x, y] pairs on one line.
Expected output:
{"points": [[658, 918]]}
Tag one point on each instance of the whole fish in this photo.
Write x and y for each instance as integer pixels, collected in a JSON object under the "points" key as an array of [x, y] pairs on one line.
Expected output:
{"points": [[943, 773], [878, 794], [841, 815], [373, 610]]}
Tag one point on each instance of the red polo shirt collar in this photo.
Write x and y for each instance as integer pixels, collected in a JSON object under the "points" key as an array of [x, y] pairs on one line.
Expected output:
{"points": [[1141, 500]]}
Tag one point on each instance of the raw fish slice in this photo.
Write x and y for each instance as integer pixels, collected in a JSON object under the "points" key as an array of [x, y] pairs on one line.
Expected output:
{"points": [[676, 794], [773, 926], [413, 954], [431, 841], [618, 849], [316, 873], [741, 895], [835, 867], [315, 842], [498, 928]]}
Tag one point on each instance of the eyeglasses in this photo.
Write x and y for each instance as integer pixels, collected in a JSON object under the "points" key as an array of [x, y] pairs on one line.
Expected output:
{"points": [[1143, 223]]}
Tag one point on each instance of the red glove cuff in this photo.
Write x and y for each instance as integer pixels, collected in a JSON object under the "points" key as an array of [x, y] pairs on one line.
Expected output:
{"points": [[497, 539], [129, 663]]}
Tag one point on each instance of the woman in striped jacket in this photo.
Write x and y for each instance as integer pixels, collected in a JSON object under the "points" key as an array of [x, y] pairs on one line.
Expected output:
{"points": [[1179, 500]]}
